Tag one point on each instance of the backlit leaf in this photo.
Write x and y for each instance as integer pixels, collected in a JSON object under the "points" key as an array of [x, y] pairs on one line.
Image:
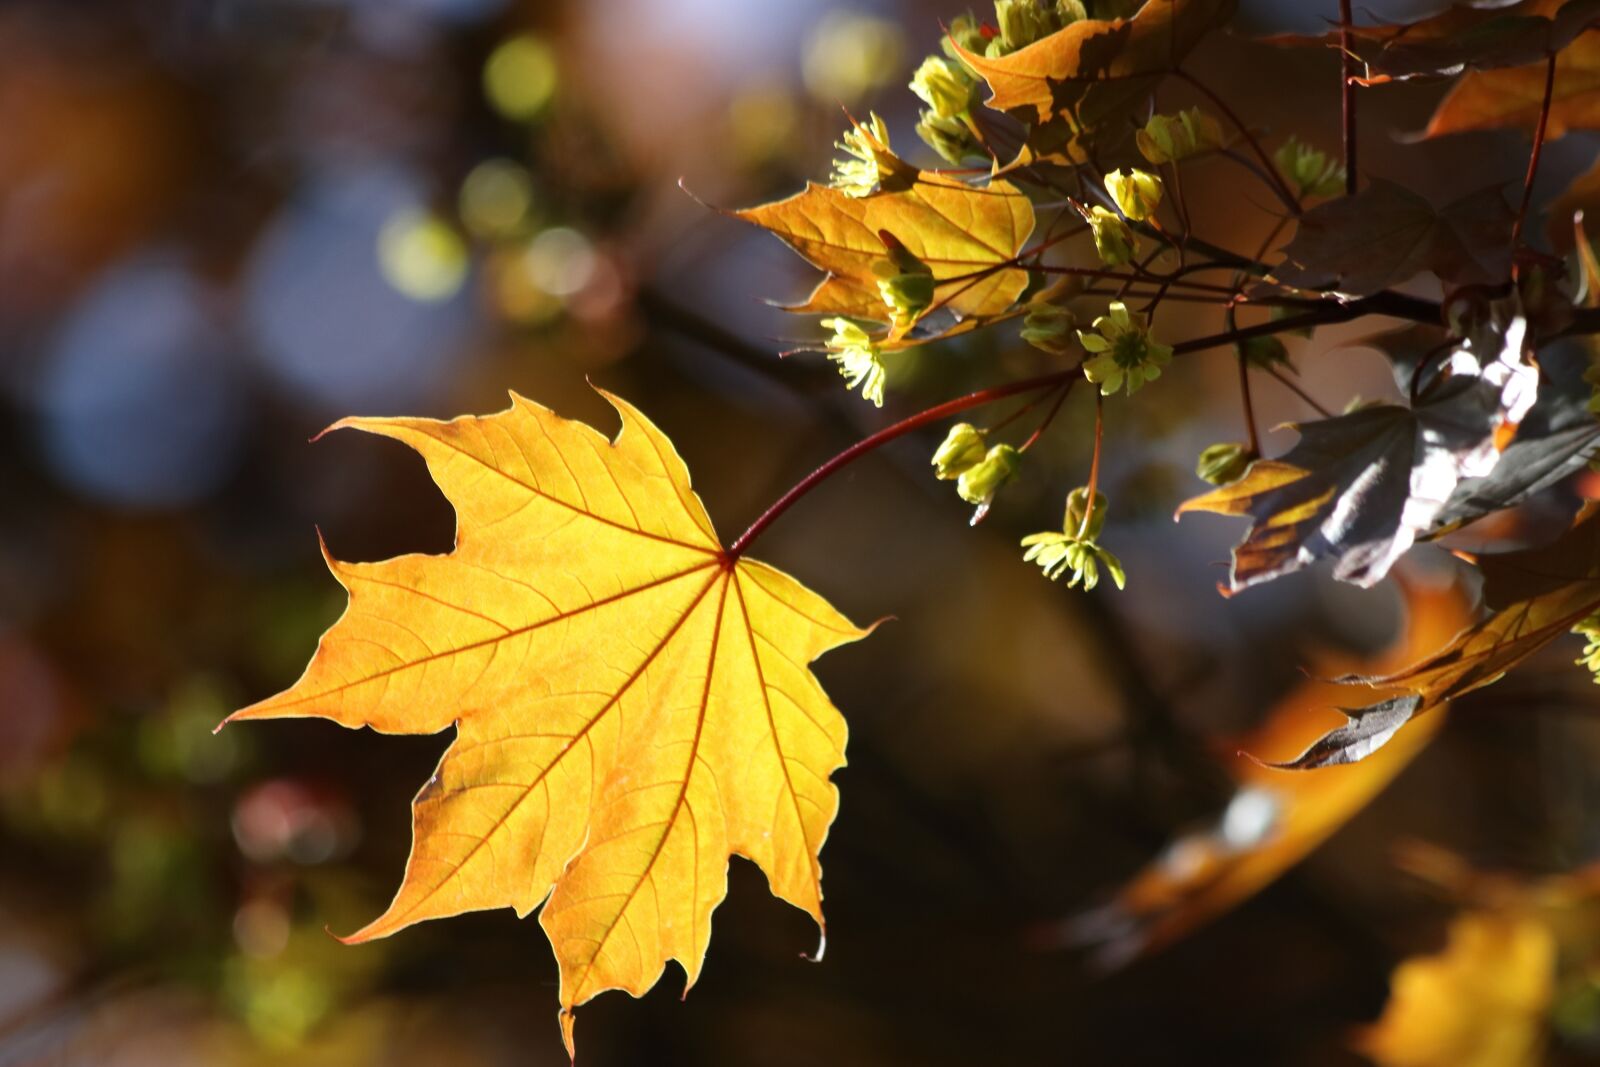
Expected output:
{"points": [[631, 706], [967, 235], [1092, 72], [1360, 488]]}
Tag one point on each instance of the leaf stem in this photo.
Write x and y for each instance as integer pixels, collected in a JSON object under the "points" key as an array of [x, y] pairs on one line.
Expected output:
{"points": [[1094, 464], [1533, 157], [883, 437], [1386, 303], [1347, 87]]}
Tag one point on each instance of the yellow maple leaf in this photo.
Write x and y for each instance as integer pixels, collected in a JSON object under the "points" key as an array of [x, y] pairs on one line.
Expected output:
{"points": [[632, 703], [968, 236]]}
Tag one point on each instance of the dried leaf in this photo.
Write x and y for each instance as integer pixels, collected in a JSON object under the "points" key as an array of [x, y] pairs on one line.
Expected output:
{"points": [[1386, 235], [1360, 488], [631, 706], [1085, 76], [1477, 36], [965, 234], [1564, 580], [1484, 100]]}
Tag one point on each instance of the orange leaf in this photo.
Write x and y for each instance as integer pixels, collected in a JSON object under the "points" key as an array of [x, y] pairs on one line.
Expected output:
{"points": [[631, 705], [1093, 70], [1490, 99], [968, 236]]}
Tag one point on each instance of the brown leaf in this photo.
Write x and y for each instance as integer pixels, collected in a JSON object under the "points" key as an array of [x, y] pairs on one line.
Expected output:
{"points": [[1465, 36], [1386, 234], [1484, 100]]}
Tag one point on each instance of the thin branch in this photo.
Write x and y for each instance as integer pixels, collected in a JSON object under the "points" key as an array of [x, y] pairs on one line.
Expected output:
{"points": [[1094, 463], [1293, 387], [1533, 157], [1347, 87], [1049, 417]]}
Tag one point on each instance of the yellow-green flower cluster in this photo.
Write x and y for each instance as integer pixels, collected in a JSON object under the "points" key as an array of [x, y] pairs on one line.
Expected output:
{"points": [[1076, 546], [948, 86], [963, 448], [1137, 193], [859, 357], [1309, 170], [1171, 138], [1048, 327], [868, 159], [1224, 463], [1023, 22], [1590, 630], [1123, 351], [905, 283], [980, 482], [1114, 239]]}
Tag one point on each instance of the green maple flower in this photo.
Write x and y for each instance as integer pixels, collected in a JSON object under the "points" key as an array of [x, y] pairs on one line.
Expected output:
{"points": [[963, 448], [1048, 327], [859, 357], [1589, 629], [944, 86], [1114, 240], [1136, 192], [979, 483], [1124, 351], [868, 158], [1311, 171], [905, 283], [1076, 546], [1170, 138], [951, 138], [1223, 463]]}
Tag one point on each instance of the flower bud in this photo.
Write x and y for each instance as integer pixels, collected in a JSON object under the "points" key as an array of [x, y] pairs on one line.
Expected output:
{"points": [[1049, 327], [1021, 23], [964, 31], [904, 281], [949, 137], [1310, 171], [1070, 11], [1137, 192], [1223, 463], [964, 448], [1113, 239], [944, 86], [1077, 503], [978, 484], [1170, 138]]}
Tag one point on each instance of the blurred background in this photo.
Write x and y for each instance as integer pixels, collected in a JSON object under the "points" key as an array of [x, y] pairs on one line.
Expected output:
{"points": [[225, 223]]}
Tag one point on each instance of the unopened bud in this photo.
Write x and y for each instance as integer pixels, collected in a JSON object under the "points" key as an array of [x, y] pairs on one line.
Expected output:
{"points": [[980, 482], [944, 86], [1223, 463], [1077, 503], [1170, 138], [1049, 327], [964, 448], [1137, 192], [1113, 239]]}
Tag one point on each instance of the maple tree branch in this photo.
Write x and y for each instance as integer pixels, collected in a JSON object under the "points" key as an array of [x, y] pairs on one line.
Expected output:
{"points": [[1294, 387], [1347, 88], [1533, 157], [1395, 305], [1050, 416], [883, 437]]}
